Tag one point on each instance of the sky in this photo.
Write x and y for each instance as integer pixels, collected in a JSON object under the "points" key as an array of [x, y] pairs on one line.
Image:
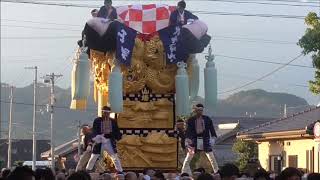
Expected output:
{"points": [[46, 36]]}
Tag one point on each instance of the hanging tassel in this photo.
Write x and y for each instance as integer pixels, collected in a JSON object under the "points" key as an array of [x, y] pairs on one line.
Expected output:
{"points": [[194, 80], [115, 89], [210, 85], [182, 90], [80, 86]]}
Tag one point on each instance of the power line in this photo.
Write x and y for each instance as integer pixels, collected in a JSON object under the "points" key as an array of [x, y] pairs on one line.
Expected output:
{"points": [[233, 76], [272, 3], [292, 1], [41, 22], [265, 3], [262, 77], [34, 27], [285, 16], [252, 41], [215, 37], [262, 61], [198, 12], [43, 37], [52, 4], [42, 105], [30, 58]]}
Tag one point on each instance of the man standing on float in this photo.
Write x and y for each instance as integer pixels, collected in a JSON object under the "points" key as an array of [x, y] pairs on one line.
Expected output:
{"points": [[105, 134], [200, 135], [108, 11], [180, 16]]}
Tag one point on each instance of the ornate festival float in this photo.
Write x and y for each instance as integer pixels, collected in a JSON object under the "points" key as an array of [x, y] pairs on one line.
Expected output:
{"points": [[147, 72]]}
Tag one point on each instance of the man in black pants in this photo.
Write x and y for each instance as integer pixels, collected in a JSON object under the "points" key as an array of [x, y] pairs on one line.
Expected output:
{"points": [[200, 135], [105, 133]]}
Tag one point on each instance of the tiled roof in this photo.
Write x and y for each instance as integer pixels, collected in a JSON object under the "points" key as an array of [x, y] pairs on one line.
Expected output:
{"points": [[245, 122], [62, 149], [297, 121], [242, 124]]}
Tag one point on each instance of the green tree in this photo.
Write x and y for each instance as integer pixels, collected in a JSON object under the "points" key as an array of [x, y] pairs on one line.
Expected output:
{"points": [[245, 150], [310, 43]]}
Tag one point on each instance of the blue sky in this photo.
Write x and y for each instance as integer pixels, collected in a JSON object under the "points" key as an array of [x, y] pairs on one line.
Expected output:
{"points": [[269, 39]]}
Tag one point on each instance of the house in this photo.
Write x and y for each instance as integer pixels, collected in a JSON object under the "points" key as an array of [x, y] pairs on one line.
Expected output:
{"points": [[227, 129], [21, 149], [287, 142]]}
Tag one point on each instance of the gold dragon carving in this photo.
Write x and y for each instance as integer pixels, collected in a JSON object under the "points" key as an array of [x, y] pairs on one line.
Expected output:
{"points": [[148, 68]]}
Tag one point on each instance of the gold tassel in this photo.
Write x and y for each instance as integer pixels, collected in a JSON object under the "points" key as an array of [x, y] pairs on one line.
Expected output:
{"points": [[78, 105]]}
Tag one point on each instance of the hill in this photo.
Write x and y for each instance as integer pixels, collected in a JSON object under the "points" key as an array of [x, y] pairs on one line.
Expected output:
{"points": [[260, 103]]}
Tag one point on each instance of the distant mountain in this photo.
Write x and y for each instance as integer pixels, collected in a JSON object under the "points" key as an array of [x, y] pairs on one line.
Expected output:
{"points": [[258, 102]]}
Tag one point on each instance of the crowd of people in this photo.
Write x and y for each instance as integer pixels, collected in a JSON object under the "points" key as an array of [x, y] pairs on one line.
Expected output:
{"points": [[226, 172]]}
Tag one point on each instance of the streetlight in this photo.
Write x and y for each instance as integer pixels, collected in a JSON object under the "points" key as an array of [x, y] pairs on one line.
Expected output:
{"points": [[50, 79]]}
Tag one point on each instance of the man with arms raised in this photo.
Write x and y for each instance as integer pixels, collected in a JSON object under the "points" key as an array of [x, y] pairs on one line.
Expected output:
{"points": [[105, 134]]}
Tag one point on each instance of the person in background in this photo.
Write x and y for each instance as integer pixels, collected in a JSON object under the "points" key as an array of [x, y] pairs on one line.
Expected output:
{"points": [[108, 11], [200, 135], [181, 133], [205, 176], [180, 16], [290, 173], [119, 176], [313, 176], [261, 174], [148, 173], [44, 174], [130, 176], [60, 176], [196, 174], [158, 176], [86, 147], [21, 173], [229, 172], [105, 176], [4, 173], [80, 175]]}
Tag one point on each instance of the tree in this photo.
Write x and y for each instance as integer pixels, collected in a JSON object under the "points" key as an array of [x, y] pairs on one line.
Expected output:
{"points": [[310, 43], [246, 150]]}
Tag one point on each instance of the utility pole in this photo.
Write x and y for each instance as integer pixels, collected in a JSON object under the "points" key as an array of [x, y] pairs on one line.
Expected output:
{"points": [[10, 129], [34, 143], [50, 78]]}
